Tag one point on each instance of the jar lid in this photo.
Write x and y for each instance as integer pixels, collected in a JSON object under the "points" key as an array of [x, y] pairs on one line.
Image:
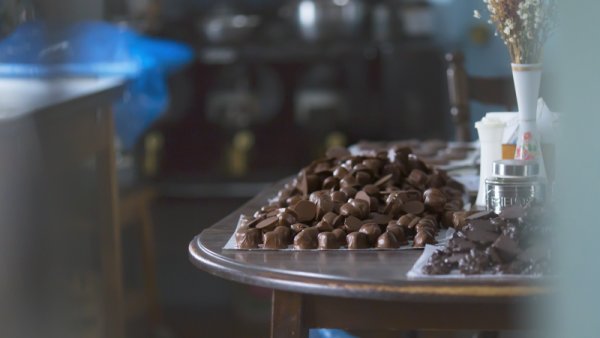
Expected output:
{"points": [[518, 168]]}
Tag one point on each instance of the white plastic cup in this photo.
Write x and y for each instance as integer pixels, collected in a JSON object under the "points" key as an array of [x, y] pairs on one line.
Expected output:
{"points": [[490, 132]]}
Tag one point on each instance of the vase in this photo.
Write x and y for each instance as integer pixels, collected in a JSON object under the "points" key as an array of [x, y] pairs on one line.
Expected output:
{"points": [[527, 78]]}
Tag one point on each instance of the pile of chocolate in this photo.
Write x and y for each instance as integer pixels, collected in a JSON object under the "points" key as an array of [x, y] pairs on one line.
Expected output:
{"points": [[432, 152], [514, 242], [356, 202]]}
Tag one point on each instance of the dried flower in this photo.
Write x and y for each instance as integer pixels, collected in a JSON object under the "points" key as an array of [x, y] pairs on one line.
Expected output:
{"points": [[523, 25]]}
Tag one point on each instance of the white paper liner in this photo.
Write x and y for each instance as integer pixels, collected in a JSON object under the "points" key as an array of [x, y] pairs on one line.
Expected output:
{"points": [[417, 270], [442, 239]]}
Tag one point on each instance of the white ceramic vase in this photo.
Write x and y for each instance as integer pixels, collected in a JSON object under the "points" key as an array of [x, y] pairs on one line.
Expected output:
{"points": [[527, 78]]}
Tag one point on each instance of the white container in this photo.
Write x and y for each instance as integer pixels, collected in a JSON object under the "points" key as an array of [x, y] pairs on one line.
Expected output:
{"points": [[490, 132]]}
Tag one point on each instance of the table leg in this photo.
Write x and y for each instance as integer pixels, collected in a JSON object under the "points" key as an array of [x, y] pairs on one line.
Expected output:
{"points": [[286, 315]]}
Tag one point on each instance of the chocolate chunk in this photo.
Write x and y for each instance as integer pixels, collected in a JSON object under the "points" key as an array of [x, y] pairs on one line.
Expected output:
{"points": [[506, 247], [380, 219], [383, 180], [339, 196], [357, 240], [413, 207], [458, 244], [352, 224], [387, 240], [372, 230], [298, 227], [483, 224], [327, 240], [361, 195], [512, 212], [363, 177], [350, 209], [435, 203], [371, 190], [324, 226], [305, 210], [340, 235], [340, 172], [454, 259], [268, 224], [406, 220], [423, 238], [349, 191], [398, 232], [330, 183], [306, 239], [249, 239], [363, 207], [329, 217], [274, 240], [286, 218], [286, 233], [482, 237]]}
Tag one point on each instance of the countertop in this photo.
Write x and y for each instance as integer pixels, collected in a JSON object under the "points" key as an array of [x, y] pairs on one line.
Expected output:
{"points": [[21, 97]]}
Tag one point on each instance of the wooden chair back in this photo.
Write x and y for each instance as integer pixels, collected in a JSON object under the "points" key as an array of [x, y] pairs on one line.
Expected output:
{"points": [[462, 88]]}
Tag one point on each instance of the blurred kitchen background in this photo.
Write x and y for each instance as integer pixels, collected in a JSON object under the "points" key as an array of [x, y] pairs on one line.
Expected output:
{"points": [[272, 84]]}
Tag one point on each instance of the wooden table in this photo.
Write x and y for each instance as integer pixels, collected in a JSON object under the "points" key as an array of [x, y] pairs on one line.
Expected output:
{"points": [[360, 290], [58, 204]]}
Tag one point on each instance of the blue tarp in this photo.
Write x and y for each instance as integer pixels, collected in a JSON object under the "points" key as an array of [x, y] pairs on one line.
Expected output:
{"points": [[36, 49]]}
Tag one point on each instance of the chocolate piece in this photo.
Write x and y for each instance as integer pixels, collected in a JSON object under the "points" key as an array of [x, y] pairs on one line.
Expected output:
{"points": [[423, 238], [274, 240], [330, 183], [483, 224], [267, 224], [371, 190], [506, 247], [357, 240], [306, 239], [349, 209], [373, 164], [361, 195], [383, 180], [363, 206], [406, 220], [340, 235], [352, 224], [473, 263], [298, 227], [387, 240], [435, 203], [372, 230], [249, 239], [413, 207], [286, 218], [340, 172], [458, 244], [338, 221], [329, 217], [380, 219], [363, 177], [417, 178], [349, 191], [305, 210], [349, 181], [459, 219], [398, 232], [339, 196], [324, 226], [454, 259], [512, 212], [286, 233], [482, 237], [327, 240]]}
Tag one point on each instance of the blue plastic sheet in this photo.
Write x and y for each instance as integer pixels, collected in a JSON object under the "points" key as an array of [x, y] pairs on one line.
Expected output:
{"points": [[36, 49], [329, 333]]}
